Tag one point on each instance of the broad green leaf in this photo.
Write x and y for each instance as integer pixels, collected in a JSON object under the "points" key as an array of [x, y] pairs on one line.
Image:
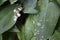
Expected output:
{"points": [[42, 24], [56, 36], [0, 37], [58, 1], [12, 1], [2, 1], [29, 6], [7, 17]]}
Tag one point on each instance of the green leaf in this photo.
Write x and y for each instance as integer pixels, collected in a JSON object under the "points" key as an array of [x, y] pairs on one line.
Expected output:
{"points": [[12, 1], [29, 6], [58, 1], [56, 36], [42, 24], [7, 18], [0, 37], [2, 1]]}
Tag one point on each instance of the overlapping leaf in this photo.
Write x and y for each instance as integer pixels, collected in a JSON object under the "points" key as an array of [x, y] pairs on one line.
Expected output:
{"points": [[41, 25], [7, 18]]}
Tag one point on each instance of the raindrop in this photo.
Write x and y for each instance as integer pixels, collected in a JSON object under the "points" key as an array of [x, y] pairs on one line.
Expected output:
{"points": [[33, 22], [34, 34], [15, 18], [18, 14], [14, 10], [42, 36], [20, 8], [39, 24]]}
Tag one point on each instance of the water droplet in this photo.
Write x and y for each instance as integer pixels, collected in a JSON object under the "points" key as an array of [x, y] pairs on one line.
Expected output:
{"points": [[20, 8], [33, 22], [15, 18], [34, 34], [41, 39], [14, 10], [39, 24], [18, 14], [42, 36]]}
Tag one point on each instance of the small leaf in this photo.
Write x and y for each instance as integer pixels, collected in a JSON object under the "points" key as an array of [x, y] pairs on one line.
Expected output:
{"points": [[12, 1], [29, 6]]}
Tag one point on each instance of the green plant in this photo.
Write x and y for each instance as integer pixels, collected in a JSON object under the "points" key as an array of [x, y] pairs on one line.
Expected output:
{"points": [[29, 19]]}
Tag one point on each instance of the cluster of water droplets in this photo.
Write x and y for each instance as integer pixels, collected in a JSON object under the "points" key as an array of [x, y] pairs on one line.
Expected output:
{"points": [[17, 14], [40, 29]]}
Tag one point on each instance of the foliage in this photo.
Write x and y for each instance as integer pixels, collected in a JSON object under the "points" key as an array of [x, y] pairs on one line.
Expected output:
{"points": [[29, 19]]}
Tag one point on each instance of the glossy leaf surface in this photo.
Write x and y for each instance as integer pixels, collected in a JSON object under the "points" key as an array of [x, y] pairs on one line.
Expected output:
{"points": [[41, 25], [7, 18]]}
